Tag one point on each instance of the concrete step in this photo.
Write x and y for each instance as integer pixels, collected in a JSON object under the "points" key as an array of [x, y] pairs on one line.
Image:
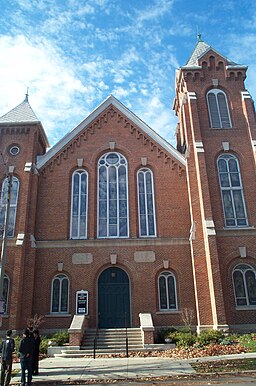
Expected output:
{"points": [[88, 352], [112, 340]]}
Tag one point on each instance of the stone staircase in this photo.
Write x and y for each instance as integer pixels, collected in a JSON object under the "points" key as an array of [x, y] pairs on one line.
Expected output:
{"points": [[109, 341]]}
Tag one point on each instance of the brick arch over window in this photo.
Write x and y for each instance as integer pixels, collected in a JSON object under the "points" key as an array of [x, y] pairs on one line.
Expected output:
{"points": [[244, 284], [167, 291], [79, 205], [13, 204], [60, 294], [146, 202], [218, 109], [231, 191], [113, 196]]}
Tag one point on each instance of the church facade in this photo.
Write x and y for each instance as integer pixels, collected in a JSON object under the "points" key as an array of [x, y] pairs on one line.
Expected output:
{"points": [[113, 221]]}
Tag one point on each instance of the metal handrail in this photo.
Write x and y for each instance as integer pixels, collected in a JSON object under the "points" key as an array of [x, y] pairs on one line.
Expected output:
{"points": [[95, 338], [126, 336]]}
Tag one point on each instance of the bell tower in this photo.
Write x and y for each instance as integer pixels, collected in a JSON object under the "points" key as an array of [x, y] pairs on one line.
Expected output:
{"points": [[217, 132], [22, 141]]}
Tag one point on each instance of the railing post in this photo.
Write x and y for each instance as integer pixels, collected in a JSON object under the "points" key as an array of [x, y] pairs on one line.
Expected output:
{"points": [[94, 348], [126, 335]]}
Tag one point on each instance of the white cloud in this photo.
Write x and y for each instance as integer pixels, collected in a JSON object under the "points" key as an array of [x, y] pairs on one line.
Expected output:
{"points": [[52, 82], [158, 9]]}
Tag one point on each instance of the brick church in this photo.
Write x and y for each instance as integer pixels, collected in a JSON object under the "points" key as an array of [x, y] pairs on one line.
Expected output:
{"points": [[113, 222]]}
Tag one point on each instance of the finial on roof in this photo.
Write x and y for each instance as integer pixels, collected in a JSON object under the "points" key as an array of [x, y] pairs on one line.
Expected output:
{"points": [[199, 39], [26, 96]]}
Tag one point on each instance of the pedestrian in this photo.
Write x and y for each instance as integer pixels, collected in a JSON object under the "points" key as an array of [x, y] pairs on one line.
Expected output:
{"points": [[36, 351], [26, 352], [8, 347]]}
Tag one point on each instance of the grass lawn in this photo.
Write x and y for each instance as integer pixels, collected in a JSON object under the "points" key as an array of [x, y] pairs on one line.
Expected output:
{"points": [[233, 365]]}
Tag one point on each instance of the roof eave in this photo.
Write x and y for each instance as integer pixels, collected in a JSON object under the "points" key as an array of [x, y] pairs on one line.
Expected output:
{"points": [[191, 67], [97, 111], [236, 67], [28, 123]]}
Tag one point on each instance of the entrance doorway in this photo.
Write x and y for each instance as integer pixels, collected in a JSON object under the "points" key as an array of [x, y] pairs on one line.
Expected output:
{"points": [[114, 298]]}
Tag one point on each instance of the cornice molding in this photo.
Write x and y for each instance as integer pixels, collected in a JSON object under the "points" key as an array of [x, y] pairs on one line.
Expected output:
{"points": [[162, 149]]}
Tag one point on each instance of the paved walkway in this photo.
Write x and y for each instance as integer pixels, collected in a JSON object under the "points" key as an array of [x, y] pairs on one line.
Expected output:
{"points": [[84, 369]]}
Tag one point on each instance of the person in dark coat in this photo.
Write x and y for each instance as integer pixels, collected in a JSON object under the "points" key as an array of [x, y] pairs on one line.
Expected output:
{"points": [[8, 347], [36, 352], [26, 352]]}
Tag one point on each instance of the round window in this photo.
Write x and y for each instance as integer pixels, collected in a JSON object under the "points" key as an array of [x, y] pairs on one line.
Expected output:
{"points": [[112, 158], [14, 150]]}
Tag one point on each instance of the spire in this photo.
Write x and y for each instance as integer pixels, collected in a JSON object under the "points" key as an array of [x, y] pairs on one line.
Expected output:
{"points": [[26, 96], [202, 48], [20, 114]]}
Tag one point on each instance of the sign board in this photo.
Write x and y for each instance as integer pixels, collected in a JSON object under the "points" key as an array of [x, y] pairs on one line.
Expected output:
{"points": [[82, 302]]}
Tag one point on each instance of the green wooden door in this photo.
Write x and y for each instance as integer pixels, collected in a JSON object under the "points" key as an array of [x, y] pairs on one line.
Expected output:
{"points": [[114, 299]]}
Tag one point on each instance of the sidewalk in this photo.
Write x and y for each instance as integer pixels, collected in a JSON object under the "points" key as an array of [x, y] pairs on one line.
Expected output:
{"points": [[85, 369]]}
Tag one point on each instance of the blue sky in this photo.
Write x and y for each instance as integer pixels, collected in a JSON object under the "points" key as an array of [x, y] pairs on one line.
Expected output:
{"points": [[73, 54]]}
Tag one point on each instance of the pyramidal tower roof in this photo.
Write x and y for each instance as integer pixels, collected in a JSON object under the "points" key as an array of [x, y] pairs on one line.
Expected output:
{"points": [[202, 48], [21, 113]]}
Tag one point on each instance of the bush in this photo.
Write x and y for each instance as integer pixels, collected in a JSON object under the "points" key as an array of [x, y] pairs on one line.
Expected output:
{"points": [[248, 341], [210, 336], [60, 338], [17, 343], [44, 345], [183, 339], [164, 333]]}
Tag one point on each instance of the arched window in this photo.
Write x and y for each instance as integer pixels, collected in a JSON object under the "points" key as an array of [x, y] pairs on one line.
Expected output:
{"points": [[112, 196], [60, 294], [167, 291], [6, 289], [218, 109], [13, 205], [244, 281], [146, 201], [79, 204], [231, 191]]}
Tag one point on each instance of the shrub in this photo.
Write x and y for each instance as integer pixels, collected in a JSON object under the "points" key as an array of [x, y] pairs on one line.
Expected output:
{"points": [[60, 337], [183, 339], [210, 336], [248, 341], [164, 333], [44, 345]]}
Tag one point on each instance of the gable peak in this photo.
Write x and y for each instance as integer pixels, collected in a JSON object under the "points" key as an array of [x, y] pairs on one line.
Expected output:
{"points": [[200, 50]]}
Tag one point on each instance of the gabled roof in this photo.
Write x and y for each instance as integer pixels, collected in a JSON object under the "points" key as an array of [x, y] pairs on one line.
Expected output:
{"points": [[21, 113], [111, 100], [201, 49]]}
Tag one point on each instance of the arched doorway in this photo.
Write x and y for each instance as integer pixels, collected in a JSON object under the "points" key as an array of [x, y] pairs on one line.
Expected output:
{"points": [[114, 298]]}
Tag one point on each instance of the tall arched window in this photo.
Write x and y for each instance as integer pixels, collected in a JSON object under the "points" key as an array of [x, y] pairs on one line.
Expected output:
{"points": [[6, 289], [218, 109], [244, 281], [231, 191], [60, 294], [167, 291], [13, 205], [79, 204], [112, 196], [146, 201]]}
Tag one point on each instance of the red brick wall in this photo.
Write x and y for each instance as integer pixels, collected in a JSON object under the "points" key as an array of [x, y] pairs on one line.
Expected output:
{"points": [[225, 254]]}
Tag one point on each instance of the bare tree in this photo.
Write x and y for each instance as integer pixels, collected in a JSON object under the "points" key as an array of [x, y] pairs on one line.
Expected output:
{"points": [[187, 316], [35, 321]]}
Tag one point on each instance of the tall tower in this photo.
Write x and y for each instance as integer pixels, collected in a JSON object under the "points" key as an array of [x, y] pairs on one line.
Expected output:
{"points": [[217, 133], [22, 140]]}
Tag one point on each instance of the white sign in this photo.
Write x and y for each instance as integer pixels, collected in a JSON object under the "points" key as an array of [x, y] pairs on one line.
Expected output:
{"points": [[82, 302]]}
